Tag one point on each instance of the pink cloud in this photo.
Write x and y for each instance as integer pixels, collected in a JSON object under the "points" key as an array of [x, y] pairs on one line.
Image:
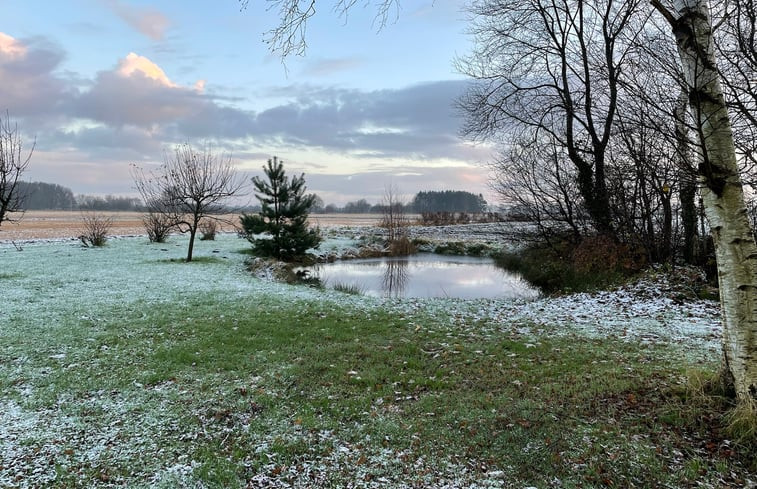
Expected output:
{"points": [[134, 63], [138, 92], [28, 83], [10, 48]]}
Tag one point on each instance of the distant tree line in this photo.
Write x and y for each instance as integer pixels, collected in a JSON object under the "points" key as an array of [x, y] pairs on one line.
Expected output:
{"points": [[424, 201], [46, 196], [448, 201], [51, 196], [109, 203]]}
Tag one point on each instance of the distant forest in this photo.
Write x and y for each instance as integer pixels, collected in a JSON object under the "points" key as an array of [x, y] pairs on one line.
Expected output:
{"points": [[50, 196], [448, 201], [425, 201]]}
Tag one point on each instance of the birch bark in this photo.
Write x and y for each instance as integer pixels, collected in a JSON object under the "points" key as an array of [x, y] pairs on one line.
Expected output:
{"points": [[722, 193]]}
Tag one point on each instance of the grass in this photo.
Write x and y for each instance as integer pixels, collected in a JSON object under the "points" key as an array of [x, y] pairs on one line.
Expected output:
{"points": [[352, 289], [273, 387]]}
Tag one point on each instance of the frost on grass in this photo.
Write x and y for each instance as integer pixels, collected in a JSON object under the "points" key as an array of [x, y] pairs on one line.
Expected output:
{"points": [[64, 308]]}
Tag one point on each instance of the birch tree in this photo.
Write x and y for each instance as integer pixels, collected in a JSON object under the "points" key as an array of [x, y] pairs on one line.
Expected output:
{"points": [[722, 192]]}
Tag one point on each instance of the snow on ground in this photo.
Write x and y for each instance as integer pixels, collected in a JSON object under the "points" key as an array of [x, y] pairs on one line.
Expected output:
{"points": [[52, 278], [48, 285]]}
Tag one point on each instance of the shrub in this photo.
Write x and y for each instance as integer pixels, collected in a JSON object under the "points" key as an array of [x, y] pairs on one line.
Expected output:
{"points": [[591, 264], [478, 249], [401, 246], [353, 289], [158, 226], [208, 228], [600, 254], [95, 229], [451, 248]]}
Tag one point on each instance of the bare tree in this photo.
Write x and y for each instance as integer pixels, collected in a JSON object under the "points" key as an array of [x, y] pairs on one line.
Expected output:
{"points": [[555, 66], [722, 192], [395, 221], [735, 40], [190, 186], [13, 163], [532, 180], [289, 36]]}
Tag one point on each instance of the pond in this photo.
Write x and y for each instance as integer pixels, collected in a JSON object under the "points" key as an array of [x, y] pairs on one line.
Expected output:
{"points": [[425, 275]]}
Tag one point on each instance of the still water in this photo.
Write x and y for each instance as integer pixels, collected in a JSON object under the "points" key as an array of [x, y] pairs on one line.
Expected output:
{"points": [[426, 275]]}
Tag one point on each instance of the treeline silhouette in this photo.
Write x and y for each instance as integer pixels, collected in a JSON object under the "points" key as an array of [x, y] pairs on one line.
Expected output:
{"points": [[51, 196], [422, 202]]}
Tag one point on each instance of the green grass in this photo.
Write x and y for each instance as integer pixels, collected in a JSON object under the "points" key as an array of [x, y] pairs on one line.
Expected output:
{"points": [[196, 259], [276, 389]]}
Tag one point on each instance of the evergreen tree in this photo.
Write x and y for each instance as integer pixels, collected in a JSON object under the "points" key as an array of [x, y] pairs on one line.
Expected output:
{"points": [[283, 215]]}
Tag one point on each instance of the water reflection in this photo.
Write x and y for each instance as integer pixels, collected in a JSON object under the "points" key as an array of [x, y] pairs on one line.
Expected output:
{"points": [[395, 277], [426, 275]]}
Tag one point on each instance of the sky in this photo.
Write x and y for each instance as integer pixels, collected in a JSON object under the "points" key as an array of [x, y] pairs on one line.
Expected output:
{"points": [[103, 85]]}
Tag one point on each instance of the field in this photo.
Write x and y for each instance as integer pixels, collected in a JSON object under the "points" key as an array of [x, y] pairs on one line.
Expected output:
{"points": [[68, 224], [123, 366]]}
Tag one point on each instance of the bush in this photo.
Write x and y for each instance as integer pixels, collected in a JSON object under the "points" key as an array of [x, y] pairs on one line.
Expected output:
{"points": [[95, 229], [208, 228], [352, 289], [451, 248], [158, 226], [596, 262], [401, 246], [478, 249]]}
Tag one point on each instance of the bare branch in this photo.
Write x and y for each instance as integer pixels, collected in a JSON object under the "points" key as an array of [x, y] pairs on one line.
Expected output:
{"points": [[289, 36], [13, 164], [190, 186]]}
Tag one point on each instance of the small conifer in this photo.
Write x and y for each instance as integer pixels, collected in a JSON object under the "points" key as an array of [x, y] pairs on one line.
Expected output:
{"points": [[280, 229]]}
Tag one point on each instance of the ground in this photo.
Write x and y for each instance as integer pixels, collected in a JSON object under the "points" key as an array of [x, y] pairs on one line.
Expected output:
{"points": [[124, 366]]}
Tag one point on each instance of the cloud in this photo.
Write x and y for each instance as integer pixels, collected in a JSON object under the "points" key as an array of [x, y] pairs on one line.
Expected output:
{"points": [[134, 110], [326, 67], [138, 92], [10, 48], [28, 83], [134, 63], [418, 121], [149, 22]]}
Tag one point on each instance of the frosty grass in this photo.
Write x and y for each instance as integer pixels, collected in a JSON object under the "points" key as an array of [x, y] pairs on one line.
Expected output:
{"points": [[54, 291]]}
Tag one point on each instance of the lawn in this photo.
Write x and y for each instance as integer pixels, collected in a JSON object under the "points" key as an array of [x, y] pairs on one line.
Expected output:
{"points": [[125, 367]]}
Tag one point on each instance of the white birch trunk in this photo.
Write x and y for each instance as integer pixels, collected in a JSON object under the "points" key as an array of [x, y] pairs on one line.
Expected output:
{"points": [[722, 193]]}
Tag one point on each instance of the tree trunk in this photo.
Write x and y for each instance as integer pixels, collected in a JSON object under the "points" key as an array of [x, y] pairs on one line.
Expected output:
{"points": [[190, 248], [688, 189], [722, 193], [667, 228]]}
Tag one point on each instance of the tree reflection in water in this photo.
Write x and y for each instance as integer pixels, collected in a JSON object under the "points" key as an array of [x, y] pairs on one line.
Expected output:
{"points": [[426, 275], [395, 278]]}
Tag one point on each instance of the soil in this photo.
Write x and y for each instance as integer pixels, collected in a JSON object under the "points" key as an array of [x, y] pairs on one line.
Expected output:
{"points": [[34, 225]]}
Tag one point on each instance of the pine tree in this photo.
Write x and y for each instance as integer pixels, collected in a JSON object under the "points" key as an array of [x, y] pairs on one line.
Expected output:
{"points": [[283, 215]]}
